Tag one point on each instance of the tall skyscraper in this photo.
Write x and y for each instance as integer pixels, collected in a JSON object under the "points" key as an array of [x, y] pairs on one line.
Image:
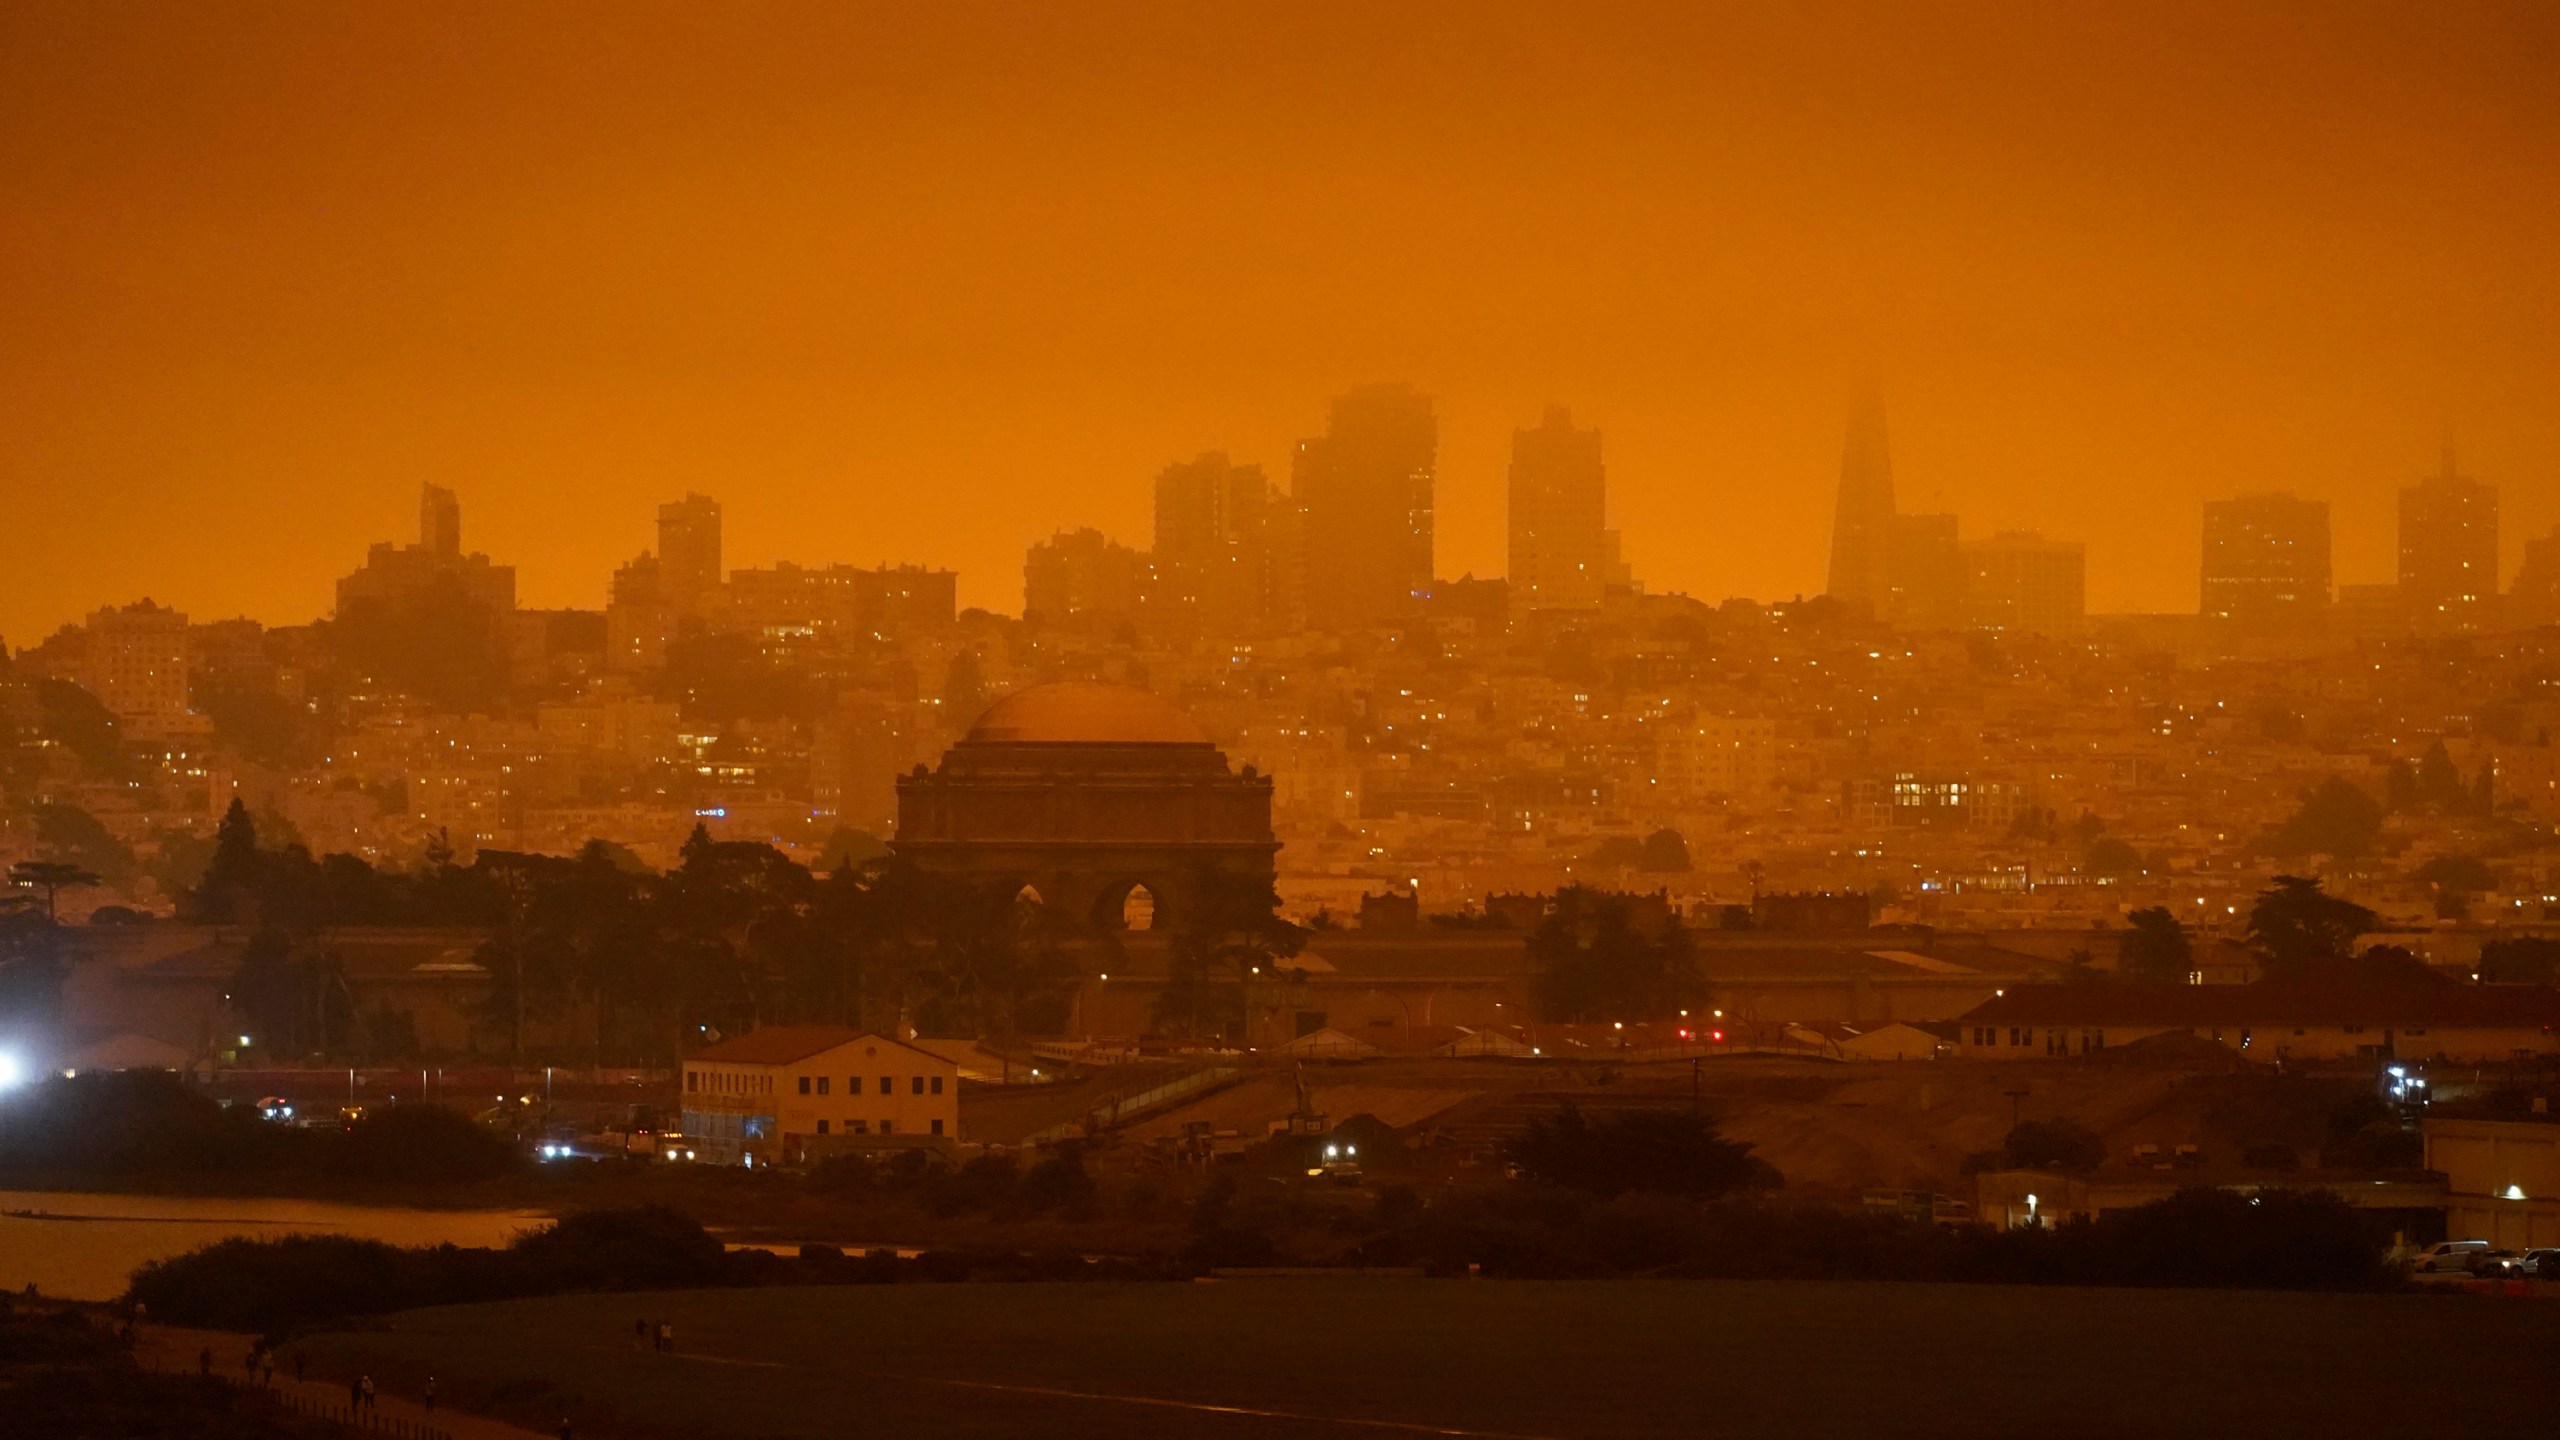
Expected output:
{"points": [[1216, 570], [2535, 600], [2266, 562], [1862, 518], [1925, 574], [689, 550], [2449, 549], [1366, 488], [2021, 583], [1561, 550], [440, 521]]}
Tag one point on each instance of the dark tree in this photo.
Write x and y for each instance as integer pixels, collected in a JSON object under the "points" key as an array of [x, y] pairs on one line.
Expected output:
{"points": [[2300, 930], [2155, 950], [1665, 1152], [2520, 960], [2336, 818], [1598, 961]]}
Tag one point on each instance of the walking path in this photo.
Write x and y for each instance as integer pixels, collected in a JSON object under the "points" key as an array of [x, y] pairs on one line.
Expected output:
{"points": [[171, 1348]]}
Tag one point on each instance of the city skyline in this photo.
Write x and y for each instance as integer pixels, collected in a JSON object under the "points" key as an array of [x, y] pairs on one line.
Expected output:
{"points": [[2107, 277]]}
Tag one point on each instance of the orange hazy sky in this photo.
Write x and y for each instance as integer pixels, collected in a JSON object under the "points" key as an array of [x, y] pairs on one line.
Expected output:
{"points": [[927, 281]]}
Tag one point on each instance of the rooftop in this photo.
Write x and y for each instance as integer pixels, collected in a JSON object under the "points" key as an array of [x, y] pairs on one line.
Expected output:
{"points": [[1084, 712]]}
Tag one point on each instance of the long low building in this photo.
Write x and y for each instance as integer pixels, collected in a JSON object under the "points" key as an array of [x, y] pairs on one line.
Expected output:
{"points": [[2503, 1174], [2272, 1020]]}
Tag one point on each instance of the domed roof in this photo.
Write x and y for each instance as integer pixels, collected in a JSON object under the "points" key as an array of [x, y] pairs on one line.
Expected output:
{"points": [[1084, 712]]}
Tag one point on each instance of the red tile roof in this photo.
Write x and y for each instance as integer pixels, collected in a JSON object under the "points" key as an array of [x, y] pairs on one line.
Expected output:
{"points": [[781, 1044], [2504, 1007]]}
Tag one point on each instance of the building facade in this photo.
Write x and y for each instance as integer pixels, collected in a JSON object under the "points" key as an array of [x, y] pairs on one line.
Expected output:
{"points": [[785, 1092]]}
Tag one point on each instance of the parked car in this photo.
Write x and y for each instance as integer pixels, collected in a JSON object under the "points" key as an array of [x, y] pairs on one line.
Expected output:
{"points": [[2444, 1255], [2497, 1262], [2540, 1264]]}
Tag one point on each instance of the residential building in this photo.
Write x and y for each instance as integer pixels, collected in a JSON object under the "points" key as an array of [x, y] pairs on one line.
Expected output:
{"points": [[1215, 565], [1925, 574], [397, 575], [689, 551], [1562, 551], [134, 658], [2272, 1020], [1082, 578], [1366, 489], [2449, 550]]}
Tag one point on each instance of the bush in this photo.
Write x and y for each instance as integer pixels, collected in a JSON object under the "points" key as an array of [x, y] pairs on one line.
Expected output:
{"points": [[413, 1144], [1666, 1152], [647, 1247]]}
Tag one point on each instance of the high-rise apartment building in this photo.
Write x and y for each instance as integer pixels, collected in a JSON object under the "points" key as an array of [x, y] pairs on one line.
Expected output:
{"points": [[2449, 550], [440, 521], [2535, 600], [1862, 518], [1216, 566], [1365, 487], [1561, 549], [689, 550], [2021, 583], [2266, 562], [1082, 578], [135, 660]]}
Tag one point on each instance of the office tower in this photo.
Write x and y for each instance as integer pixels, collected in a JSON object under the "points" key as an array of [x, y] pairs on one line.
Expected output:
{"points": [[1215, 567], [1561, 549], [1862, 518], [2449, 549], [1366, 488], [135, 660], [1925, 574], [689, 550], [2021, 583], [2266, 562], [440, 521], [2535, 600], [1082, 578]]}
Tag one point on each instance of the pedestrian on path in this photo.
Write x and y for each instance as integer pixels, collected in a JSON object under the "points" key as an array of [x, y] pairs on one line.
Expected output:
{"points": [[267, 1373], [431, 1395], [564, 1429], [355, 1395], [666, 1336], [640, 1333], [367, 1384]]}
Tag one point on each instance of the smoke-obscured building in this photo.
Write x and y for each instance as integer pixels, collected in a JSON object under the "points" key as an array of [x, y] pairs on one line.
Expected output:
{"points": [[1862, 530], [1217, 563], [2266, 562], [1562, 553], [2449, 550], [1365, 487], [2021, 583]]}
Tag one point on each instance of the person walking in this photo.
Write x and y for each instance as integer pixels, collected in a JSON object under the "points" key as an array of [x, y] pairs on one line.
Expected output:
{"points": [[666, 1336], [640, 1333], [369, 1399], [249, 1364], [267, 1373], [431, 1395], [563, 1431], [355, 1395]]}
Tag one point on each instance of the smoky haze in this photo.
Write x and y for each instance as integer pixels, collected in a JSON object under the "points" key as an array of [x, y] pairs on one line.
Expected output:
{"points": [[927, 282]]}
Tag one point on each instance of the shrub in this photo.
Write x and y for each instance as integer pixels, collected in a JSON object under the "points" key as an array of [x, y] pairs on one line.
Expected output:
{"points": [[1667, 1152]]}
